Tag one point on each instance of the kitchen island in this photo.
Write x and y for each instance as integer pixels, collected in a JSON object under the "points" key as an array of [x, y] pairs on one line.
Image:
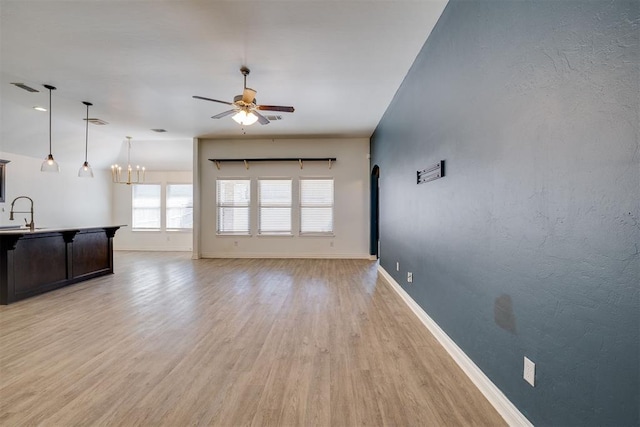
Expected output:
{"points": [[34, 262]]}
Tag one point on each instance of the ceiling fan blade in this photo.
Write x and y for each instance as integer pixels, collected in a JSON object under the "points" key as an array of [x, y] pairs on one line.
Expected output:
{"points": [[248, 95], [275, 108], [223, 114], [211, 99], [261, 119]]}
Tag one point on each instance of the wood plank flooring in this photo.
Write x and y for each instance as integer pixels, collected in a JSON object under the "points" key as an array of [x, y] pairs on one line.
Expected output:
{"points": [[171, 341]]}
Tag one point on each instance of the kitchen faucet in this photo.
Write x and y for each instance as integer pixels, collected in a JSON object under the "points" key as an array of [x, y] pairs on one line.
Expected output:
{"points": [[31, 224]]}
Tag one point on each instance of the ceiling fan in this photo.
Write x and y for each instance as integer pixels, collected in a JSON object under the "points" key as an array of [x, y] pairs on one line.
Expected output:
{"points": [[245, 108]]}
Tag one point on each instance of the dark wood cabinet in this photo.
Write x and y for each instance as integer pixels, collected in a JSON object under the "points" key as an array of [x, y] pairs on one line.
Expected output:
{"points": [[32, 263]]}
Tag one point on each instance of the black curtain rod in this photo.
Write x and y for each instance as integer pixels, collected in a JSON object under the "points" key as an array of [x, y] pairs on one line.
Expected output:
{"points": [[279, 159]]}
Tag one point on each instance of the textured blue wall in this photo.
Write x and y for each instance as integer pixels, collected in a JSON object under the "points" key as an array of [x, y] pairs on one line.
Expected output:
{"points": [[529, 245]]}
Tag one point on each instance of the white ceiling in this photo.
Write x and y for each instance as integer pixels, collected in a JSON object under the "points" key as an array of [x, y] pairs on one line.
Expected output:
{"points": [[339, 63]]}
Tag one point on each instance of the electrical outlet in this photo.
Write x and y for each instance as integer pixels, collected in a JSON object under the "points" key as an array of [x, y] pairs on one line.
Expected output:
{"points": [[529, 372], [410, 277], [398, 266]]}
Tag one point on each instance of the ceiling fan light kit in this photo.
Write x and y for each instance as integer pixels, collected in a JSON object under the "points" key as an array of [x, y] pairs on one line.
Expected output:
{"points": [[244, 118], [245, 108]]}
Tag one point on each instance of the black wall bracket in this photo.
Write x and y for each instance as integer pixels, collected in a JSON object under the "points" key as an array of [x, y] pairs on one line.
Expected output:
{"points": [[431, 173]]}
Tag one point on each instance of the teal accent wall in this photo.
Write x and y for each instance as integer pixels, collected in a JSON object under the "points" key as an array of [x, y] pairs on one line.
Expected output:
{"points": [[529, 245]]}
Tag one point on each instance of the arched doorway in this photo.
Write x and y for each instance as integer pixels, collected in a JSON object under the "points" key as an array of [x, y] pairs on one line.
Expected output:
{"points": [[374, 247]]}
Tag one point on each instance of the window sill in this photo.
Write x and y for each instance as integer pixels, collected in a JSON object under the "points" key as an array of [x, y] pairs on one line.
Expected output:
{"points": [[330, 235], [233, 235], [276, 235]]}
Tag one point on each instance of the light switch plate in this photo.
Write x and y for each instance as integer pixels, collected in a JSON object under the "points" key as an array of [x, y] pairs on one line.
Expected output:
{"points": [[529, 372]]}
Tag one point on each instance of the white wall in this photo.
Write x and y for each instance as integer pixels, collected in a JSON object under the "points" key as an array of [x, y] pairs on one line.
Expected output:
{"points": [[351, 209], [127, 239], [60, 199]]}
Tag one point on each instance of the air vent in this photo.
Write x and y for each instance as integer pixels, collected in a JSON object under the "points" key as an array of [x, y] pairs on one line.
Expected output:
{"points": [[95, 121], [159, 130], [274, 118], [25, 87]]}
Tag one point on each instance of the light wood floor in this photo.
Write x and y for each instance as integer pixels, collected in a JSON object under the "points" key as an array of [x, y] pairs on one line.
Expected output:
{"points": [[171, 341]]}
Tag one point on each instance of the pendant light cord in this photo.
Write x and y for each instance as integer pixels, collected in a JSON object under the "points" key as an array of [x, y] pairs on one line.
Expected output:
{"points": [[86, 136], [49, 121]]}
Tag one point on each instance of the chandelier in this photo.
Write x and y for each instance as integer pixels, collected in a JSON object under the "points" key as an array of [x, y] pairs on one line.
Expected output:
{"points": [[131, 176]]}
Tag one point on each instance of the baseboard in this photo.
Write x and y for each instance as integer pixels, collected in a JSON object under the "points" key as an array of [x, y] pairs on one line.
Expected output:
{"points": [[153, 249], [257, 255], [500, 402]]}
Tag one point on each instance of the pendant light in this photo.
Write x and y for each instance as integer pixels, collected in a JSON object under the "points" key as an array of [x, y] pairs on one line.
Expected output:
{"points": [[49, 164], [85, 170]]}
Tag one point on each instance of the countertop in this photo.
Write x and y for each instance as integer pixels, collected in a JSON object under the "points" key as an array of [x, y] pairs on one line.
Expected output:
{"points": [[6, 229]]}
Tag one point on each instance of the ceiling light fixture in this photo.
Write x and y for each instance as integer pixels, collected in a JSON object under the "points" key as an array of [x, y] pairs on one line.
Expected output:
{"points": [[39, 108], [116, 171], [49, 164], [85, 170], [245, 117]]}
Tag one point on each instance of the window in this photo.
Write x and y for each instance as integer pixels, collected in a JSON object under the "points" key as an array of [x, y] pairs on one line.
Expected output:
{"points": [[233, 199], [316, 206], [179, 206], [146, 206], [274, 213]]}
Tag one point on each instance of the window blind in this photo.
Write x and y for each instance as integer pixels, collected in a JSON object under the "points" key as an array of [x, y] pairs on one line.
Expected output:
{"points": [[316, 206], [146, 206], [233, 199], [274, 198], [179, 206]]}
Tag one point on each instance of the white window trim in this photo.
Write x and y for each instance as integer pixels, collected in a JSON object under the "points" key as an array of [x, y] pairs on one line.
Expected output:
{"points": [[163, 210]]}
